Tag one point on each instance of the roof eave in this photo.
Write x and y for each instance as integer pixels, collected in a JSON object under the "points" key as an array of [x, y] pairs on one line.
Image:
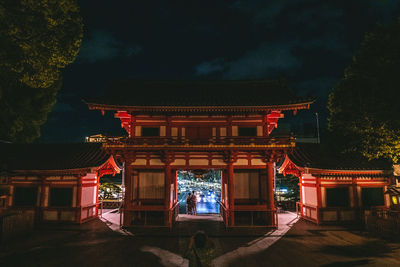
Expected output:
{"points": [[347, 171], [294, 106]]}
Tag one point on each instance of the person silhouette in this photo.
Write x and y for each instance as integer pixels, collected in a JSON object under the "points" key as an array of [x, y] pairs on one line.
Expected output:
{"points": [[194, 204], [201, 250], [189, 204]]}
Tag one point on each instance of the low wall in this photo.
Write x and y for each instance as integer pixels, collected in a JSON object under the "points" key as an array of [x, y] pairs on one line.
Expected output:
{"points": [[111, 204], [384, 223], [16, 223]]}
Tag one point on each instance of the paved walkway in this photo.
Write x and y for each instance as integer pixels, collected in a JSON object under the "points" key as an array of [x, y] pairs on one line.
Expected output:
{"points": [[285, 222], [293, 244]]}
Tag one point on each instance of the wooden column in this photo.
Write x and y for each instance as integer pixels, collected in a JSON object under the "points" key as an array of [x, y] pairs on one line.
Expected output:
{"points": [[357, 212], [167, 198], [132, 125], [270, 193], [319, 198], [270, 186], [222, 187], [128, 194], [79, 198], [231, 195], [97, 193], [301, 194], [175, 180], [42, 199]]}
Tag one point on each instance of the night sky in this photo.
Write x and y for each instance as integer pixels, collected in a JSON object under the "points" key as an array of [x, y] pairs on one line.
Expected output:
{"points": [[307, 42]]}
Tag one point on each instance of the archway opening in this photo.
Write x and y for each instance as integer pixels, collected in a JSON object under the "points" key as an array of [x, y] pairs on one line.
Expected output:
{"points": [[206, 185]]}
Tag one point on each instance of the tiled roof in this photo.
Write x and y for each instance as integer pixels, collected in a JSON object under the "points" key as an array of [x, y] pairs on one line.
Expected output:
{"points": [[199, 93], [322, 157], [393, 191], [15, 157]]}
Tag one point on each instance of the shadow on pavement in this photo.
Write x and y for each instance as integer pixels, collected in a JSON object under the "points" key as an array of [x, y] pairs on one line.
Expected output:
{"points": [[347, 263], [373, 248]]}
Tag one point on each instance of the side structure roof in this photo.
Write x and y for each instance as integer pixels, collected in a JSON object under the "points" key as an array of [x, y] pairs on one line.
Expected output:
{"points": [[53, 157], [319, 157], [197, 93]]}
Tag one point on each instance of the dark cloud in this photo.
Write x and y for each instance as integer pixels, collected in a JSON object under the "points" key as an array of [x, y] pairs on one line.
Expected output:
{"points": [[267, 60], [210, 67], [102, 45], [310, 42]]}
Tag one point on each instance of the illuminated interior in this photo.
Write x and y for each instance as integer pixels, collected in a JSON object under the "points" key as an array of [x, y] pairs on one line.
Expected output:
{"points": [[207, 187]]}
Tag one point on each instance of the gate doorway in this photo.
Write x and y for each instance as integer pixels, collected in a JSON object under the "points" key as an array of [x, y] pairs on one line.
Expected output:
{"points": [[206, 185]]}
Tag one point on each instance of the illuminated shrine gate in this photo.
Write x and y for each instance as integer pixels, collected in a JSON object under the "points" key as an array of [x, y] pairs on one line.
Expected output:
{"points": [[225, 125]]}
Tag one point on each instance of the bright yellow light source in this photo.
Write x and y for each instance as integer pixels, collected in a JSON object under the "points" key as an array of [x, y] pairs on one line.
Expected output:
{"points": [[394, 200]]}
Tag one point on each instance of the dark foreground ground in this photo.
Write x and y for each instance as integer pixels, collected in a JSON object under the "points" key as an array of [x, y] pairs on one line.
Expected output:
{"points": [[94, 244]]}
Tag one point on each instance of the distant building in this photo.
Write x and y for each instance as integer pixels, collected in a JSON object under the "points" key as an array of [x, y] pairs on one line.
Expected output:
{"points": [[99, 138]]}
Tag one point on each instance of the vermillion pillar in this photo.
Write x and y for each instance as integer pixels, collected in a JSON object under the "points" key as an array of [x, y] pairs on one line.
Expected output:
{"points": [[319, 198], [270, 193], [175, 181], [42, 199], [301, 195], [355, 198], [128, 195], [231, 195], [168, 203], [222, 175], [78, 198]]}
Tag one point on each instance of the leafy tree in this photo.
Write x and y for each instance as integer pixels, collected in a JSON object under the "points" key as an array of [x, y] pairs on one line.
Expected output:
{"points": [[108, 190], [364, 108], [291, 183], [37, 40]]}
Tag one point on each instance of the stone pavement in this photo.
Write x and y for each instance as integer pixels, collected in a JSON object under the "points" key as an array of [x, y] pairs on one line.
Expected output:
{"points": [[100, 243]]}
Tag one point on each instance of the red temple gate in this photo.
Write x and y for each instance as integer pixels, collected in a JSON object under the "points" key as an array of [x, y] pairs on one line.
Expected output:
{"points": [[228, 130]]}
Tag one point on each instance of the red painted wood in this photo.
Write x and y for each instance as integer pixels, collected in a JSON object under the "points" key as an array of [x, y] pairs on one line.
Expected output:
{"points": [[78, 198], [128, 194], [319, 198], [270, 186], [167, 195], [301, 194], [231, 194]]}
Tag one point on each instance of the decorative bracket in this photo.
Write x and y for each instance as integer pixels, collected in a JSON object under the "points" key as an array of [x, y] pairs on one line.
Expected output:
{"points": [[126, 119], [167, 157], [229, 156], [272, 118]]}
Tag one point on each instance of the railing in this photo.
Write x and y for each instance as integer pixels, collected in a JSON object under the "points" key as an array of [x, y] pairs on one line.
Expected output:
{"points": [[181, 141], [308, 212], [111, 203], [223, 212], [299, 211], [173, 213], [88, 209]]}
